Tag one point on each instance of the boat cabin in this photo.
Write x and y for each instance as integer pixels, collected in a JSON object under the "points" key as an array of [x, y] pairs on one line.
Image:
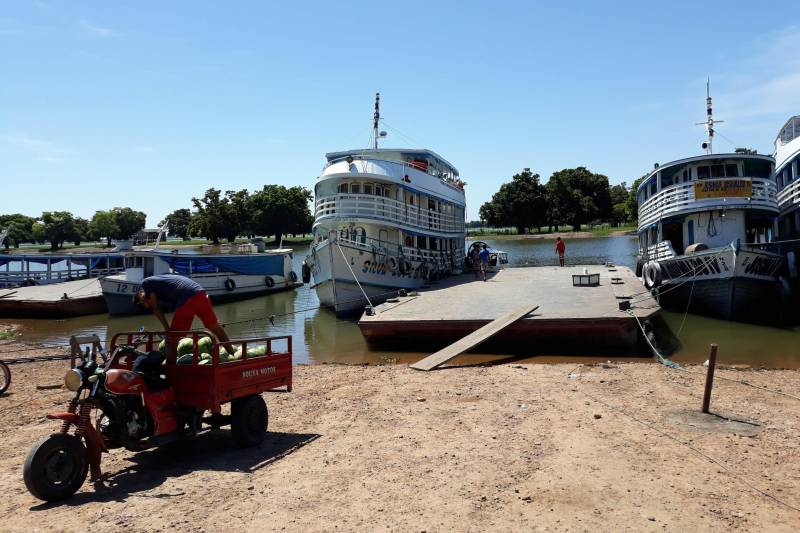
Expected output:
{"points": [[712, 200]]}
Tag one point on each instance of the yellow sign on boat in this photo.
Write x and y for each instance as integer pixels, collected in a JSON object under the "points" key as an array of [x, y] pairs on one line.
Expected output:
{"points": [[723, 188]]}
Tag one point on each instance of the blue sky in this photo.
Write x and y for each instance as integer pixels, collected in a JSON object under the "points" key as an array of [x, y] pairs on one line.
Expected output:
{"points": [[146, 104]]}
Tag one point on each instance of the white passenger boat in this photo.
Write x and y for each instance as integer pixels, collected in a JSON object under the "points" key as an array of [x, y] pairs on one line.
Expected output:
{"points": [[704, 227], [787, 172], [240, 272], [385, 219]]}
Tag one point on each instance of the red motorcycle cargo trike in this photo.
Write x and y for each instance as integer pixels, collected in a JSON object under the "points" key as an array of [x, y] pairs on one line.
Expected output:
{"points": [[138, 399]]}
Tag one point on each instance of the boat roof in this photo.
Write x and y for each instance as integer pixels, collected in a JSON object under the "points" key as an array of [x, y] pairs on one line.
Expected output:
{"points": [[330, 156], [699, 158], [792, 125]]}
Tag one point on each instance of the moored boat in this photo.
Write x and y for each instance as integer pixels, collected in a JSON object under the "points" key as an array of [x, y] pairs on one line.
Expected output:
{"points": [[241, 272], [384, 219], [705, 224]]}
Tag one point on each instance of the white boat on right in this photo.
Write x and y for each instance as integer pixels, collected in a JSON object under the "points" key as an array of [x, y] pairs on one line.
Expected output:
{"points": [[705, 224]]}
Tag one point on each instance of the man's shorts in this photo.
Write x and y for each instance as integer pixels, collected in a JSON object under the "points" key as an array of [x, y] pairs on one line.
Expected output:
{"points": [[198, 305]]}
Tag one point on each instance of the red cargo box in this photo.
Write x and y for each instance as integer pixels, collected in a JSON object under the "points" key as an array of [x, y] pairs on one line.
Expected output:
{"points": [[208, 386]]}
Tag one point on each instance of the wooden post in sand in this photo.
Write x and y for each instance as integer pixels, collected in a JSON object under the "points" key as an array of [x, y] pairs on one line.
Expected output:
{"points": [[712, 363]]}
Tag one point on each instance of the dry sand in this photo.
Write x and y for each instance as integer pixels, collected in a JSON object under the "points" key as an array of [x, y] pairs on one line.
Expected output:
{"points": [[501, 448]]}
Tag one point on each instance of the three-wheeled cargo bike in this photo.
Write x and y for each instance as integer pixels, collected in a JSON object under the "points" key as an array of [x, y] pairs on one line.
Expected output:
{"points": [[138, 397]]}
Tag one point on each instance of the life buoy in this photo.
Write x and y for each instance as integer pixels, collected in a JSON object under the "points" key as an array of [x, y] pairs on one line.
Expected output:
{"points": [[292, 276], [652, 275], [306, 273], [393, 264], [639, 266], [230, 284], [423, 270], [404, 266], [269, 281]]}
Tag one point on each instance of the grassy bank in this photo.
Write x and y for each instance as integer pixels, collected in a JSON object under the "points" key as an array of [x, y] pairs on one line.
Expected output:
{"points": [[604, 230]]}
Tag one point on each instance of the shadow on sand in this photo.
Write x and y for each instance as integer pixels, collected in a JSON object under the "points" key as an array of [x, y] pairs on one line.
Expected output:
{"points": [[212, 451]]}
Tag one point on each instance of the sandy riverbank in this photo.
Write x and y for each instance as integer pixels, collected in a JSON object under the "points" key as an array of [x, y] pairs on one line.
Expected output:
{"points": [[500, 448]]}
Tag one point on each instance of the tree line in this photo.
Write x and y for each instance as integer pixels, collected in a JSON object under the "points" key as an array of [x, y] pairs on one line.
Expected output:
{"points": [[58, 227], [274, 210], [572, 196]]}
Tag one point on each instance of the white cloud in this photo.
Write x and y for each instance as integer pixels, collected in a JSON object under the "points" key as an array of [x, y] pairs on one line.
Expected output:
{"points": [[38, 148], [97, 31]]}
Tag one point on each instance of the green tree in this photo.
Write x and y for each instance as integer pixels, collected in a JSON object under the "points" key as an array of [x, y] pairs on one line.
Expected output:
{"points": [[20, 229], [619, 203], [579, 196], [520, 203], [103, 224], [82, 231], [59, 226], [278, 210], [128, 222], [213, 215], [179, 223]]}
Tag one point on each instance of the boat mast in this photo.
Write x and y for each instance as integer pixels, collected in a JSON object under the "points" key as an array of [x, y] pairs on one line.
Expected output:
{"points": [[709, 123], [376, 118]]}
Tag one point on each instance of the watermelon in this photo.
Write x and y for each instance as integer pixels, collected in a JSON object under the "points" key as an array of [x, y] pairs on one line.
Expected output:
{"points": [[185, 345], [205, 361], [184, 359], [204, 345], [162, 346], [252, 351]]}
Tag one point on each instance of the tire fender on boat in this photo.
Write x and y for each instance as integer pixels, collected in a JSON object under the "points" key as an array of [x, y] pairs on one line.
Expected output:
{"points": [[306, 272], [230, 285], [652, 275], [393, 264], [270, 282], [292, 276]]}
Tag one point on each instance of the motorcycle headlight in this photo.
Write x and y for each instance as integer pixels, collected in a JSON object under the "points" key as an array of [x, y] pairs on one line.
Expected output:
{"points": [[73, 379]]}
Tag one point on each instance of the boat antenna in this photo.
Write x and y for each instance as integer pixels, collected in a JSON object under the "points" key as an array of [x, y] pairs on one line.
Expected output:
{"points": [[377, 118], [709, 123]]}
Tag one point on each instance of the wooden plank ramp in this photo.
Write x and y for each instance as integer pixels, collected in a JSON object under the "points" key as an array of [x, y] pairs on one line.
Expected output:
{"points": [[473, 339]]}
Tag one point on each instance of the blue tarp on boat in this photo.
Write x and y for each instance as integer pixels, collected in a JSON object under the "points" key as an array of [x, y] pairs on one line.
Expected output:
{"points": [[261, 265]]}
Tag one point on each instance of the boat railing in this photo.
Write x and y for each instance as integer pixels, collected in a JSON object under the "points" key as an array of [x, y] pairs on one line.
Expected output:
{"points": [[789, 195], [386, 209], [679, 198], [18, 277]]}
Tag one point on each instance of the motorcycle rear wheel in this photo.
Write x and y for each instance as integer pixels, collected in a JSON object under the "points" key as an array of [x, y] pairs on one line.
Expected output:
{"points": [[56, 467], [5, 377]]}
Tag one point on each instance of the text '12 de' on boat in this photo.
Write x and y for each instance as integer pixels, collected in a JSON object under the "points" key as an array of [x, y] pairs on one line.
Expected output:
{"points": [[384, 219], [233, 272], [705, 224]]}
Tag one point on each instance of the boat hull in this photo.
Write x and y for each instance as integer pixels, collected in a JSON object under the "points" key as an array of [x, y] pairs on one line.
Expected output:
{"points": [[724, 283], [118, 292], [337, 269]]}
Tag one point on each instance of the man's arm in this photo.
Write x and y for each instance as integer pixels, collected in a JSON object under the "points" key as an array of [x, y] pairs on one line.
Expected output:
{"points": [[153, 300]]}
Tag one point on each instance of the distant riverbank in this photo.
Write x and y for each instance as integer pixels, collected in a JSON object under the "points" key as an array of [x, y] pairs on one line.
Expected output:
{"points": [[502, 234]]}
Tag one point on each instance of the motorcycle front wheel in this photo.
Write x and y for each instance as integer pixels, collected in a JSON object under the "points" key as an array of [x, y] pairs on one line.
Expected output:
{"points": [[56, 467]]}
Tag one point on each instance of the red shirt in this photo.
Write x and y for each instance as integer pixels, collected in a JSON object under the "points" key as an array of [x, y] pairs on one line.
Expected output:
{"points": [[560, 247]]}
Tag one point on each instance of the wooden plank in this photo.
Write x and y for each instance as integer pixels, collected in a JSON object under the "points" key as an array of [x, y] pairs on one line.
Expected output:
{"points": [[473, 339]]}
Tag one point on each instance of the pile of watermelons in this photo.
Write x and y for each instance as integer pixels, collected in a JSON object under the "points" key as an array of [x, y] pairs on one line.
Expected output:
{"points": [[204, 344]]}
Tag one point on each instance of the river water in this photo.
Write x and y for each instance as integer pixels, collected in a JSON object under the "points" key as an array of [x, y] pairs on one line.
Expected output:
{"points": [[320, 337]]}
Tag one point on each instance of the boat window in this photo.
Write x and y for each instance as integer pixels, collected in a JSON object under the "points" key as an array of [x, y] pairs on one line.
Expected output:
{"points": [[717, 171], [355, 188], [703, 172], [367, 188], [732, 170], [756, 168], [652, 187], [343, 187], [686, 175], [690, 232]]}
